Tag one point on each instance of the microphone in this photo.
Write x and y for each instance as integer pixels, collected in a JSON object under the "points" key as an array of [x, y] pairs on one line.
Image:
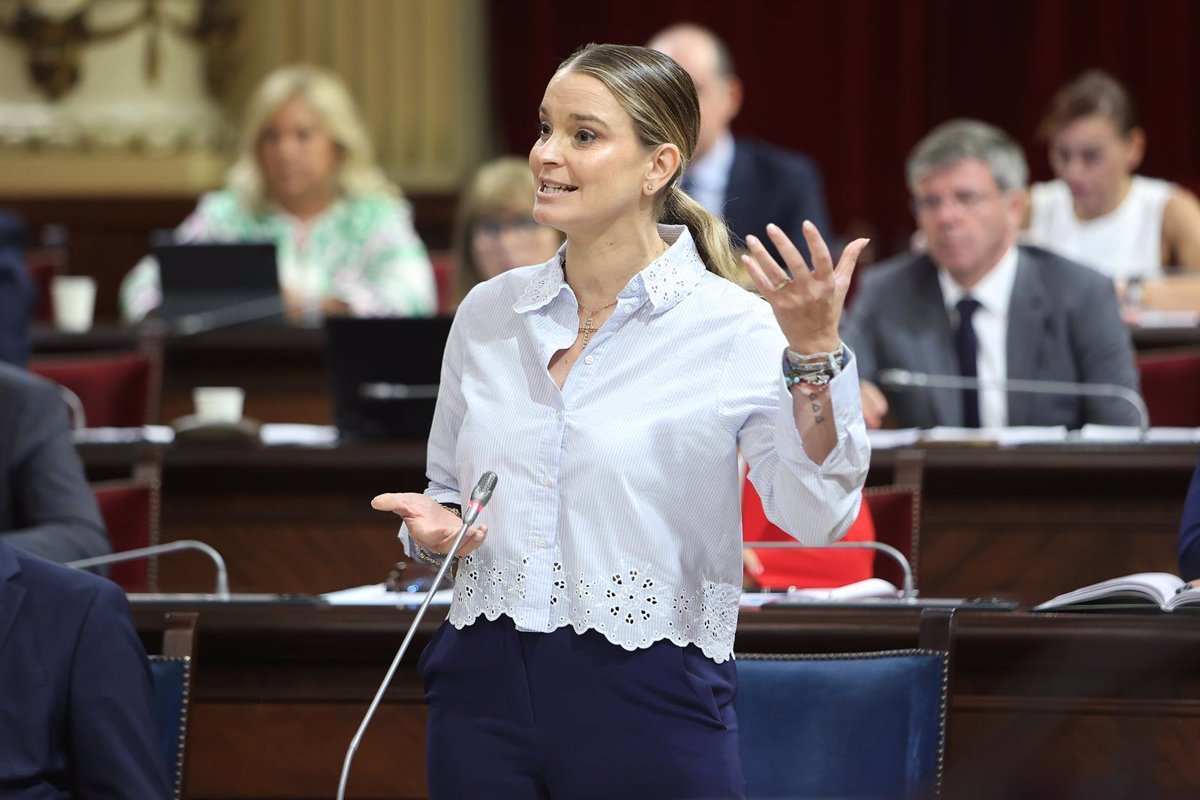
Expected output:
{"points": [[904, 378], [907, 592], [480, 496], [160, 549]]}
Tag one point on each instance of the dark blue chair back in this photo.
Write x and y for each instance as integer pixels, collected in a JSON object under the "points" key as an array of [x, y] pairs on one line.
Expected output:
{"points": [[850, 725], [172, 692]]}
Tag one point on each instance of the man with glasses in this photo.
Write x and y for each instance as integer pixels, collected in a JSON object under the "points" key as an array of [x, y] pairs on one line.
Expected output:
{"points": [[979, 306]]}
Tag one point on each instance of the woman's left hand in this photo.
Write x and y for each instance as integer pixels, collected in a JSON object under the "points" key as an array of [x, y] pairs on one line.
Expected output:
{"points": [[808, 304]]}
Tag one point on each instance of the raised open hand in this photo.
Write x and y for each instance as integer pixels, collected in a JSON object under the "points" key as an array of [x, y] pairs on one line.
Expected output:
{"points": [[808, 303]]}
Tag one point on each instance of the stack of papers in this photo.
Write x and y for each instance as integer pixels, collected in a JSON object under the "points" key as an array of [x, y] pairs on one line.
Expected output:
{"points": [[378, 595]]}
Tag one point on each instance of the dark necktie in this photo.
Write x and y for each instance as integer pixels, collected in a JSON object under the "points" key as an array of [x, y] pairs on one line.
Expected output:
{"points": [[968, 349]]}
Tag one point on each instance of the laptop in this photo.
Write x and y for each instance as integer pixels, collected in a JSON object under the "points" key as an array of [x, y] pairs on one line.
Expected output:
{"points": [[384, 375], [212, 286]]}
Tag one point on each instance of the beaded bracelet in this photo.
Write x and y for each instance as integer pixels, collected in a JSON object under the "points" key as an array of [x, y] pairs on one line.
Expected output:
{"points": [[815, 370]]}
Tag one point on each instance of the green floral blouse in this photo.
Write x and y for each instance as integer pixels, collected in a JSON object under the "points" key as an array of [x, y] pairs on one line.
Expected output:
{"points": [[362, 251]]}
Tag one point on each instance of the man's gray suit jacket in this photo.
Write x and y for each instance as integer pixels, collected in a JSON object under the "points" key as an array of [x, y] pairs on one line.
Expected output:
{"points": [[1063, 325], [46, 505]]}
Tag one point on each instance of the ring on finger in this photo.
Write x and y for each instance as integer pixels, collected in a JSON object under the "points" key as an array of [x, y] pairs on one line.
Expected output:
{"points": [[782, 283]]}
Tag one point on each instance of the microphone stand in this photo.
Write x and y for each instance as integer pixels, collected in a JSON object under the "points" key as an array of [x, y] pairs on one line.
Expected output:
{"points": [[903, 379], [160, 549], [412, 629], [907, 592]]}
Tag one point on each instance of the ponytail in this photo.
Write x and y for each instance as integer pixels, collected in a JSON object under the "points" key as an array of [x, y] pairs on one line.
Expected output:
{"points": [[709, 232]]}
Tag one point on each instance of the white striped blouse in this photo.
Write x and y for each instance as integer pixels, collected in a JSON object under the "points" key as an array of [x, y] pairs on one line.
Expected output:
{"points": [[617, 508]]}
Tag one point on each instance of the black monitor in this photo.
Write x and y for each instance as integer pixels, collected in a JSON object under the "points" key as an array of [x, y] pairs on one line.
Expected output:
{"points": [[211, 286], [384, 373]]}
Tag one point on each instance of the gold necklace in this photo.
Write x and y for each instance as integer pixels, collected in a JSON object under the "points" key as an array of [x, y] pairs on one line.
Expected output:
{"points": [[588, 328]]}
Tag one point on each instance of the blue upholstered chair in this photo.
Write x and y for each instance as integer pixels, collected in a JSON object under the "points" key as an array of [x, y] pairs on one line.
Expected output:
{"points": [[172, 673], [850, 725]]}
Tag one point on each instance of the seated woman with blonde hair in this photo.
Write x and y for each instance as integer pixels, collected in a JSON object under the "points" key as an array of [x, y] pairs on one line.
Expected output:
{"points": [[494, 228], [306, 180]]}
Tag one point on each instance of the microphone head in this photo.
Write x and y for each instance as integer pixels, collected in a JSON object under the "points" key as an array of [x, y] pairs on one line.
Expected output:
{"points": [[483, 490]]}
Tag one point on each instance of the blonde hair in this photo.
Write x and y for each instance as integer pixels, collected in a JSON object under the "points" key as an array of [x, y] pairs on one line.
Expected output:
{"points": [[330, 100], [501, 186], [660, 98]]}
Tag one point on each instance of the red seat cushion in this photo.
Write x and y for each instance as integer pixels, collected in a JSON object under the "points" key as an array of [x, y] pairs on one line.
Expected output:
{"points": [[114, 389], [1171, 388], [128, 510]]}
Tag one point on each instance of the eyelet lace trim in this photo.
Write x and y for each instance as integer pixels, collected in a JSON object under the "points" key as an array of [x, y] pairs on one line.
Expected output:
{"points": [[631, 607]]}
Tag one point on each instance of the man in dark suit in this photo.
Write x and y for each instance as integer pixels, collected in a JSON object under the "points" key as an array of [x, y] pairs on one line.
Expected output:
{"points": [[16, 291], [978, 305], [748, 183], [76, 699], [46, 505]]}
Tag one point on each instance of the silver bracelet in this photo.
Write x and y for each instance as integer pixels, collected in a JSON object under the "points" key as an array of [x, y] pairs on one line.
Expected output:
{"points": [[815, 369]]}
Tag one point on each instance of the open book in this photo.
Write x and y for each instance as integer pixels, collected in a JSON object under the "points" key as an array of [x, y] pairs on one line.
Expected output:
{"points": [[1145, 590]]}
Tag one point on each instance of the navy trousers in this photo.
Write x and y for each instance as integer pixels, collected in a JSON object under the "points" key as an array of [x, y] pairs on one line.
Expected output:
{"points": [[564, 716]]}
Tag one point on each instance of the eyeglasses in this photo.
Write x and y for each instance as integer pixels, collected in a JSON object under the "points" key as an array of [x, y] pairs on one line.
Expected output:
{"points": [[966, 200], [495, 226]]}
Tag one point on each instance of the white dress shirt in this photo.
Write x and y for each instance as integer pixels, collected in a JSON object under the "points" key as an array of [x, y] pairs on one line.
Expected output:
{"points": [[617, 507], [708, 177], [990, 320]]}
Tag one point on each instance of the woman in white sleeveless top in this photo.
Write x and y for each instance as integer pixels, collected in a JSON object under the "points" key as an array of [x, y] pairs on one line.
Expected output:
{"points": [[1098, 212]]}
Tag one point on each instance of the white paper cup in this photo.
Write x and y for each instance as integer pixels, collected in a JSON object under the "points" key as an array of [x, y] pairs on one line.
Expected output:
{"points": [[219, 404], [74, 302]]}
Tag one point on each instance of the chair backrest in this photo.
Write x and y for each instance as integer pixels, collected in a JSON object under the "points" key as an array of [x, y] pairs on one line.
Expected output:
{"points": [[43, 265], [115, 389], [131, 510], [1170, 382], [442, 262], [172, 673], [846, 725], [896, 510]]}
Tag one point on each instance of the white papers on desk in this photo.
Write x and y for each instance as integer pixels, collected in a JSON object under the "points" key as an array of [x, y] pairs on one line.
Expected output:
{"points": [[1126, 434], [152, 434], [1000, 437], [275, 434], [378, 595], [1154, 318], [869, 589]]}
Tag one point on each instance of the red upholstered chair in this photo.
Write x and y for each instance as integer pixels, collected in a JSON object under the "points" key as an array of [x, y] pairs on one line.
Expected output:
{"points": [[130, 509], [115, 389], [43, 265], [443, 274], [1171, 387], [890, 514], [896, 509]]}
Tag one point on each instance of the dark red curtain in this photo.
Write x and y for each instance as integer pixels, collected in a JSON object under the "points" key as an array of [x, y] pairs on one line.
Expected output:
{"points": [[855, 83]]}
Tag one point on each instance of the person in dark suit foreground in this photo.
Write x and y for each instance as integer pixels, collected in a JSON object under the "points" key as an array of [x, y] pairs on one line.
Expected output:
{"points": [[16, 292], [76, 699], [978, 305], [46, 506], [748, 183], [1189, 533]]}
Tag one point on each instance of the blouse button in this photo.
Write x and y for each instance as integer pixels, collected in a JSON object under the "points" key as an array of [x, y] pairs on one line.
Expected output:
{"points": [[590, 360]]}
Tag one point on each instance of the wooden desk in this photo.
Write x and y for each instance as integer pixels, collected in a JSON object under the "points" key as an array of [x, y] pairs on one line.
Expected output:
{"points": [[1049, 706], [1024, 524], [284, 371]]}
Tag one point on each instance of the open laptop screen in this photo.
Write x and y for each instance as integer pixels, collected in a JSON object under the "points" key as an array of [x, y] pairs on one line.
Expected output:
{"points": [[384, 373], [210, 286]]}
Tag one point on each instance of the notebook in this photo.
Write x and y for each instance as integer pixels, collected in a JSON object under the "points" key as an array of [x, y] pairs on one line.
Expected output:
{"points": [[384, 375], [213, 286]]}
